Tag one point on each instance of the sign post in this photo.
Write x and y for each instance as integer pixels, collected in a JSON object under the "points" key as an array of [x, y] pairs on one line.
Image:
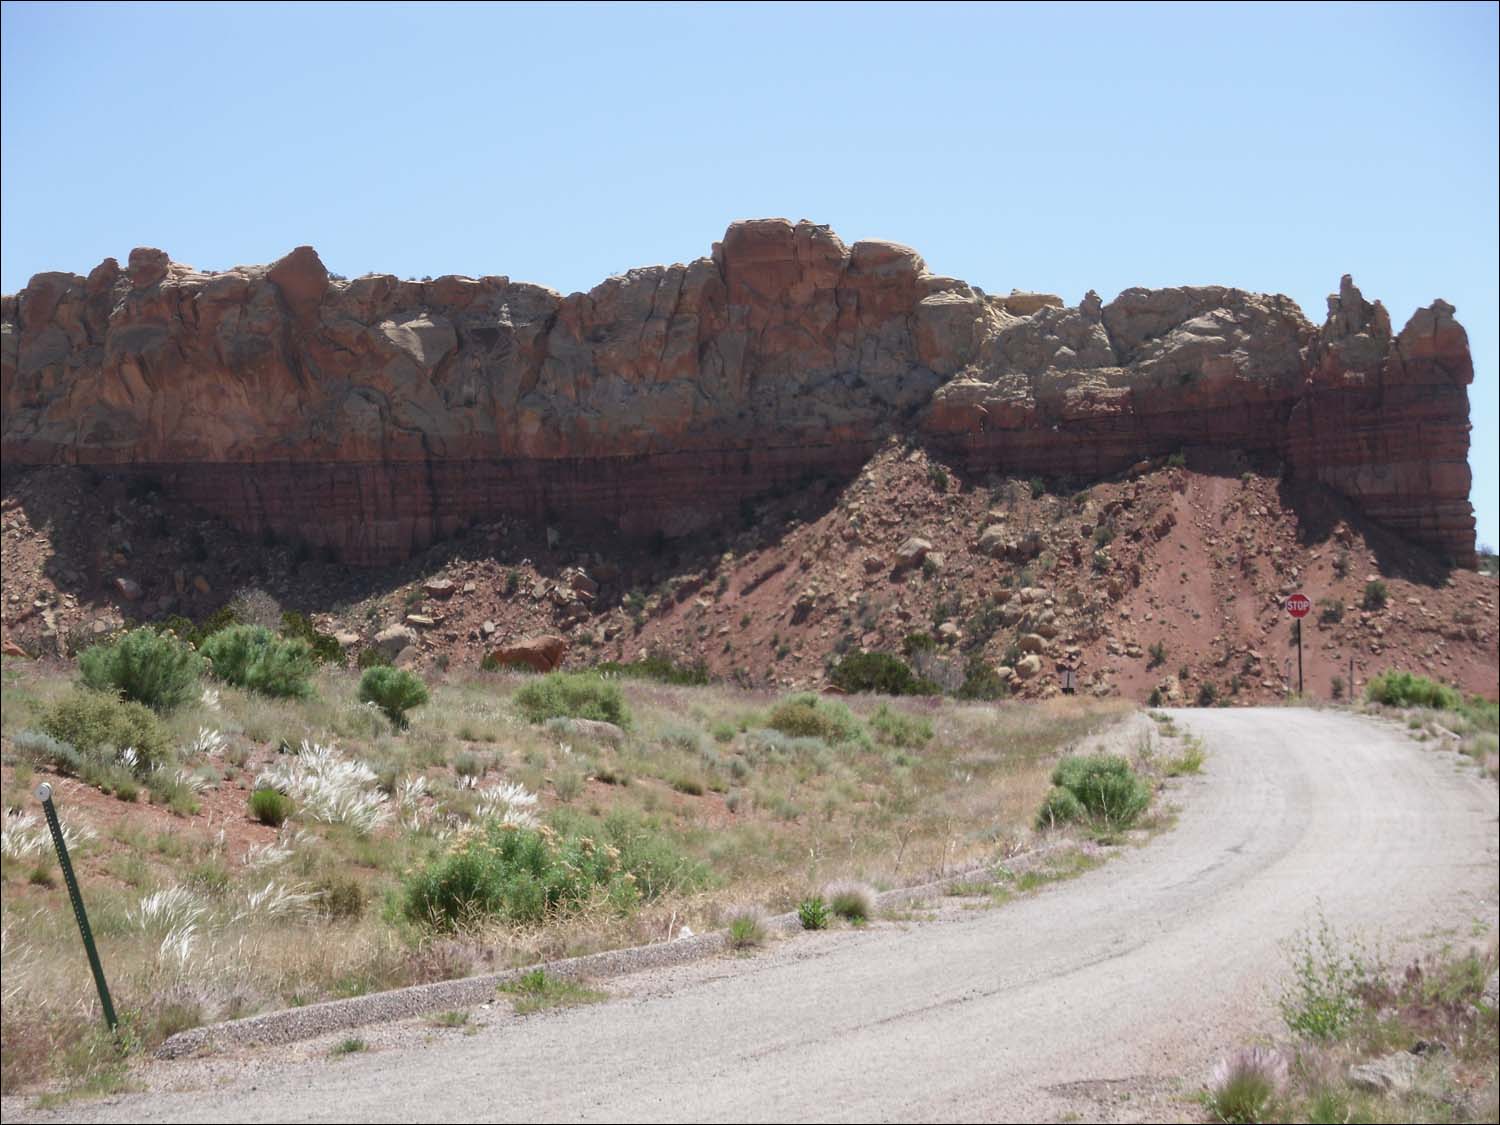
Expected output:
{"points": [[1299, 605], [44, 794]]}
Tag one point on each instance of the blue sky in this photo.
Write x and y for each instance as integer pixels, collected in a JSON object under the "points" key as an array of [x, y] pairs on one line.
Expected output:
{"points": [[1059, 148]]}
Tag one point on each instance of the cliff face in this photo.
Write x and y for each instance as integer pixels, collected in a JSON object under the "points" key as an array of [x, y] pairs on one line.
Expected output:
{"points": [[375, 415]]}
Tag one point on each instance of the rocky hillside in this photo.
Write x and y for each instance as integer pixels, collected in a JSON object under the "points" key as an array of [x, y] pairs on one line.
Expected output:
{"points": [[374, 417], [1168, 579]]}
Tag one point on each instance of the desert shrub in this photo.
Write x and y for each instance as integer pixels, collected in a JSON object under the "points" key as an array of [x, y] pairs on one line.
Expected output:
{"points": [[325, 648], [96, 725], [747, 928], [573, 695], [937, 476], [517, 875], [1208, 694], [394, 690], [895, 729], [1059, 807], [878, 672], [1330, 611], [1376, 595], [373, 656], [270, 807], [340, 896], [144, 666], [981, 681], [1105, 786], [254, 658], [1245, 1085], [1158, 651], [853, 902], [807, 716], [661, 668], [813, 913], [1322, 998], [1402, 689], [253, 606]]}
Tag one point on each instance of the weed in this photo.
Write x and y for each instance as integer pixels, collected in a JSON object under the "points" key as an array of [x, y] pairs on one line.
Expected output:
{"points": [[536, 991], [813, 913], [853, 902], [747, 928], [350, 1046], [1321, 1000], [270, 807], [1245, 1085]]}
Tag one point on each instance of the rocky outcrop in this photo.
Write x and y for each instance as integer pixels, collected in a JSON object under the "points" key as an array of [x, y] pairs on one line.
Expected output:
{"points": [[375, 415], [1384, 420]]}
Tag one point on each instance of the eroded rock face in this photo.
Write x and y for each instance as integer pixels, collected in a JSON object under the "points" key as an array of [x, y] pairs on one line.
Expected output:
{"points": [[375, 415]]}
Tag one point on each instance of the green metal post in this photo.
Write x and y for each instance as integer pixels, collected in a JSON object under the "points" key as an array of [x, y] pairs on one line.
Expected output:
{"points": [[44, 794]]}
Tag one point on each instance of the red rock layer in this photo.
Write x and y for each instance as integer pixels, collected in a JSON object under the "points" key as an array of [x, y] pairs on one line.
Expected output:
{"points": [[375, 415]]}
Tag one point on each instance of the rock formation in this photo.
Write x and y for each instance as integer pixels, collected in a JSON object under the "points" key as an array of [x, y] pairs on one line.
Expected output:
{"points": [[373, 416]]}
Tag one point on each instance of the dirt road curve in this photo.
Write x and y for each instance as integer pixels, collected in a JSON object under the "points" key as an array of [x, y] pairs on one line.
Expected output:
{"points": [[1090, 999]]}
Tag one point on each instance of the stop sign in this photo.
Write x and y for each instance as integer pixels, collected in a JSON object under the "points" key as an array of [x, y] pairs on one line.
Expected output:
{"points": [[1299, 605]]}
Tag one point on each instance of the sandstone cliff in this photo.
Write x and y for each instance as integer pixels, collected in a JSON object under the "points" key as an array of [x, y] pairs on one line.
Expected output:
{"points": [[375, 415]]}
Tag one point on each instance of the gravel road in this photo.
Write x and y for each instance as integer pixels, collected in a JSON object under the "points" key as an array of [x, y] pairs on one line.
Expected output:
{"points": [[1104, 998]]}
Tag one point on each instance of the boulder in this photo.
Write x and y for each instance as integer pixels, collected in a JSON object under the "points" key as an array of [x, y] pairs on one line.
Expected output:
{"points": [[912, 552], [540, 654], [1395, 1073], [393, 639], [1031, 642], [128, 588], [1029, 666], [441, 588]]}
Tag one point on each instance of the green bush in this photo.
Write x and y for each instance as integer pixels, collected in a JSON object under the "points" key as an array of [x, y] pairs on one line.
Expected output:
{"points": [[1402, 689], [878, 672], [807, 716], [853, 902], [981, 681], [895, 729], [1105, 787], [325, 648], [573, 695], [663, 669], [96, 724], [517, 875], [813, 913], [1060, 807], [254, 658], [394, 690], [144, 666], [1330, 611], [1322, 998], [375, 657], [1376, 594], [270, 806], [221, 619]]}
